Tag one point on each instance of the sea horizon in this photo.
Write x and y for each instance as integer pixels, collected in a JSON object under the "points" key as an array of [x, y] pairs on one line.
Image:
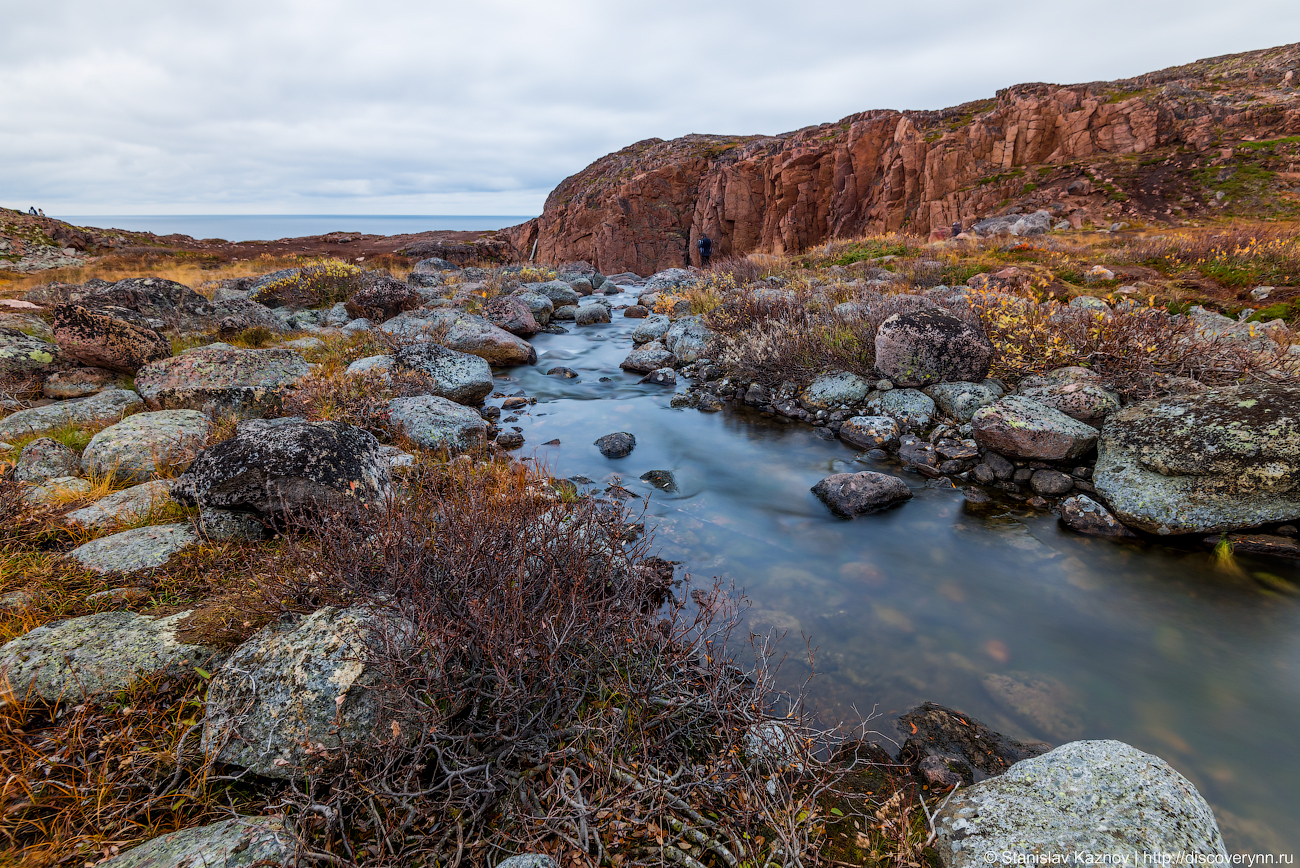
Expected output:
{"points": [[271, 227]]}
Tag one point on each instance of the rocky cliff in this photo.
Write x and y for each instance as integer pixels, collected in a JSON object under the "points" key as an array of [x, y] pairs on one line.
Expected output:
{"points": [[1139, 147]]}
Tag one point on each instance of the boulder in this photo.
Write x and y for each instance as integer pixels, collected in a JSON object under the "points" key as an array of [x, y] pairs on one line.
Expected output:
{"points": [[380, 365], [565, 313], [97, 655], [459, 377], [1027, 429], [834, 390], [383, 299], [911, 409], [689, 339], [672, 278], [300, 682], [240, 842], [660, 377], [559, 292], [141, 446], [465, 333], [434, 265], [142, 548], [1037, 223], [44, 459], [870, 432], [928, 346], [1222, 460], [591, 314], [128, 506], [617, 445], [513, 314], [1051, 483], [581, 285], [103, 341], [955, 748], [959, 401], [540, 306], [1085, 515], [1089, 402], [57, 490], [107, 406], [1093, 797], [77, 383], [636, 311], [647, 358], [853, 494], [272, 465], [221, 381], [653, 329], [435, 423], [220, 524], [20, 353]]}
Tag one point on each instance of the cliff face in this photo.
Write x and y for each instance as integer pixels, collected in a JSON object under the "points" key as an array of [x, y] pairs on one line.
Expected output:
{"points": [[642, 209]]}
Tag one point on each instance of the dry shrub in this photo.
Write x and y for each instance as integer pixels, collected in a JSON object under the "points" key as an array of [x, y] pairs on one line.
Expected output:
{"points": [[1238, 258]]}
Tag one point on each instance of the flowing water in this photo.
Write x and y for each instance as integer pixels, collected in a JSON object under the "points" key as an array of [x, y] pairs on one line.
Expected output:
{"points": [[998, 612]]}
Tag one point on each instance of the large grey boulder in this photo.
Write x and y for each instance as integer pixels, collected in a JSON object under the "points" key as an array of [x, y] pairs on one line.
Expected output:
{"points": [[1027, 429], [911, 409], [928, 346], [128, 506], [648, 357], [240, 842], [1222, 460], [300, 682], [97, 655], [44, 459], [959, 401], [559, 292], [103, 341], [852, 494], [839, 388], [652, 328], [689, 339], [287, 464], [219, 381], [1083, 398], [671, 278], [538, 304], [514, 314], [56, 490], [1037, 223], [459, 377], [591, 314], [22, 353], [382, 299], [463, 332], [142, 548], [870, 432], [141, 446], [435, 423], [107, 406], [1094, 797]]}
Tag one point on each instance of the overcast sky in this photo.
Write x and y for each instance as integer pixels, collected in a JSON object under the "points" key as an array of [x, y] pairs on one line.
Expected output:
{"points": [[482, 106]]}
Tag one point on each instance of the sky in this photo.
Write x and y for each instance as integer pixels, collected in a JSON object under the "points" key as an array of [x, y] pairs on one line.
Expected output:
{"points": [[483, 106]]}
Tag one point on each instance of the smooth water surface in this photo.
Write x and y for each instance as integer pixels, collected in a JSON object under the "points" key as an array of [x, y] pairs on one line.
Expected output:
{"points": [[271, 227], [1039, 632]]}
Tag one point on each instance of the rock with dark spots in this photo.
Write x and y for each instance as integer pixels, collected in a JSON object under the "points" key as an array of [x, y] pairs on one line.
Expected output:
{"points": [[435, 423], [661, 479], [1027, 429], [853, 494], [221, 524], [959, 401], [434, 265], [510, 440], [383, 299], [1089, 402], [1085, 797], [21, 353], [962, 743], [661, 377], [44, 459], [917, 452], [647, 358], [538, 305], [142, 548], [591, 314], [147, 444], [617, 445], [653, 329], [835, 389], [106, 407], [464, 333], [1001, 467], [910, 408], [565, 373], [1222, 460], [103, 341], [529, 860], [636, 311], [1051, 483], [97, 655], [928, 346], [299, 682], [240, 842], [219, 382], [128, 506], [58, 489], [78, 383], [870, 432], [459, 377], [513, 314], [689, 339], [1085, 515], [559, 292], [272, 465], [565, 313]]}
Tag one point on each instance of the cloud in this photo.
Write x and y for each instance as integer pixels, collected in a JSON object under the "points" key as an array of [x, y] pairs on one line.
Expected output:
{"points": [[392, 106]]}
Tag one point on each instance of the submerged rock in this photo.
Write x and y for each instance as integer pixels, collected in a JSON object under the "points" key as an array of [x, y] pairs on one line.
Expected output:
{"points": [[617, 445], [853, 494], [1085, 515]]}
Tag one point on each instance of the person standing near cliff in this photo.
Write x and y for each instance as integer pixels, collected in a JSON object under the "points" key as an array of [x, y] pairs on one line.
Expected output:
{"points": [[706, 250]]}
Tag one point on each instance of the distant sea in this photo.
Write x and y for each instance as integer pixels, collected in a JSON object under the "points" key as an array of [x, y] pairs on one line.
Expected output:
{"points": [[270, 227]]}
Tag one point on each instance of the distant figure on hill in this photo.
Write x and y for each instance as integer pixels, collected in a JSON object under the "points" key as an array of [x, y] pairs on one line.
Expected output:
{"points": [[40, 211], [706, 250], [32, 210], [956, 229]]}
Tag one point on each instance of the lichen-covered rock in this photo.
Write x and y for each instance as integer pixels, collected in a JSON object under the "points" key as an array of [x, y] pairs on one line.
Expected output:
{"points": [[103, 341], [219, 524], [911, 409], [146, 444], [44, 459], [654, 327], [1222, 460], [21, 353], [591, 314], [959, 401], [1027, 429], [853, 494], [514, 314], [459, 377], [529, 860], [559, 292], [107, 406], [97, 655], [219, 382], [689, 339], [1085, 515], [539, 305], [299, 682], [870, 432], [55, 490], [383, 299], [272, 465], [1083, 797], [463, 332], [128, 506], [240, 842], [836, 389], [142, 548], [928, 346], [647, 358], [1089, 402], [77, 383], [435, 423]]}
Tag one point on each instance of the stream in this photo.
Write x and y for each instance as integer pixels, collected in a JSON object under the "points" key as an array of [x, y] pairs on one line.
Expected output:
{"points": [[994, 610]]}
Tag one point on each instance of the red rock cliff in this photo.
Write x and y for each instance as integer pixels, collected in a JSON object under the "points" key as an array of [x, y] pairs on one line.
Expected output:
{"points": [[642, 208]]}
